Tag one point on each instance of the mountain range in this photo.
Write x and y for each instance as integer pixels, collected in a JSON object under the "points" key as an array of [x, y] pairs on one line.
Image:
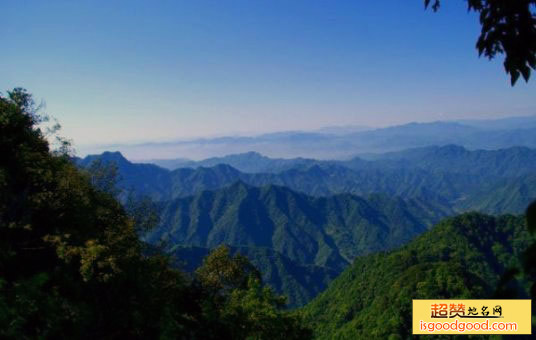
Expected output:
{"points": [[326, 231], [463, 257], [288, 235], [346, 143], [303, 221], [450, 176]]}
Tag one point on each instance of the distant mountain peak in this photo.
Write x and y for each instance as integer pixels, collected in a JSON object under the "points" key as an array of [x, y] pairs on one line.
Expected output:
{"points": [[113, 155], [252, 154], [106, 157]]}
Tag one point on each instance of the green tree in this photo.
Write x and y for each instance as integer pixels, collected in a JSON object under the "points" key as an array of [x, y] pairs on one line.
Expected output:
{"points": [[237, 299], [220, 273], [462, 257], [72, 265], [529, 257], [256, 310], [509, 28], [104, 177]]}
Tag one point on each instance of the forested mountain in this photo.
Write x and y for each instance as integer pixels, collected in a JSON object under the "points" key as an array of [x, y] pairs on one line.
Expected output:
{"points": [[510, 194], [461, 257], [326, 231], [300, 223], [298, 282], [267, 170], [510, 162], [73, 265], [299, 242], [318, 235], [452, 177], [140, 178]]}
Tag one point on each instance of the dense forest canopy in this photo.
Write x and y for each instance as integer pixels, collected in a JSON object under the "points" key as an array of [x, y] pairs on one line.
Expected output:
{"points": [[464, 257], [72, 265]]}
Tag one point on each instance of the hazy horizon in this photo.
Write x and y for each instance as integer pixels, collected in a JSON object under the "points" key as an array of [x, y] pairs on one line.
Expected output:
{"points": [[113, 73], [304, 143]]}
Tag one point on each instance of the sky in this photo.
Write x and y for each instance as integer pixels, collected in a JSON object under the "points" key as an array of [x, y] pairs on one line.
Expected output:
{"points": [[138, 71]]}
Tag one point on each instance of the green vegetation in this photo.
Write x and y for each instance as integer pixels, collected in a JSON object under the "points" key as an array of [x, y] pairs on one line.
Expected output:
{"points": [[72, 265], [462, 257], [237, 298], [298, 282], [507, 28], [450, 177], [327, 232], [507, 195], [300, 242]]}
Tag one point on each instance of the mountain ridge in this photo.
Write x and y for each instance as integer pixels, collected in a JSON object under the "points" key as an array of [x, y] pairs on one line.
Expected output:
{"points": [[272, 216], [462, 257], [445, 175], [341, 146]]}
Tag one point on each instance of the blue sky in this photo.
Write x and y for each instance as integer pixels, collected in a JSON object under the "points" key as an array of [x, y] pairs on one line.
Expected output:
{"points": [[133, 71]]}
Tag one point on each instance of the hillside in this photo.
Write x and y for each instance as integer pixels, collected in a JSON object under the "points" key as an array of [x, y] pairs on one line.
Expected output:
{"points": [[461, 257], [451, 176], [326, 231], [510, 162], [306, 222], [140, 178], [511, 194], [299, 242], [507, 162], [299, 283]]}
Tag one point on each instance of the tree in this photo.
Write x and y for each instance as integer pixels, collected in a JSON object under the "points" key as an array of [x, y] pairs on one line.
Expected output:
{"points": [[529, 257], [220, 273], [72, 265], [104, 177], [237, 299], [256, 310], [509, 28]]}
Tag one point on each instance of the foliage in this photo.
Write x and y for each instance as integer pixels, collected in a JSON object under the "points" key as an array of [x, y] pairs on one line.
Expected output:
{"points": [[461, 257], [221, 274], [71, 262], [298, 282], [104, 177], [509, 28], [529, 257], [255, 309], [327, 232], [238, 299]]}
